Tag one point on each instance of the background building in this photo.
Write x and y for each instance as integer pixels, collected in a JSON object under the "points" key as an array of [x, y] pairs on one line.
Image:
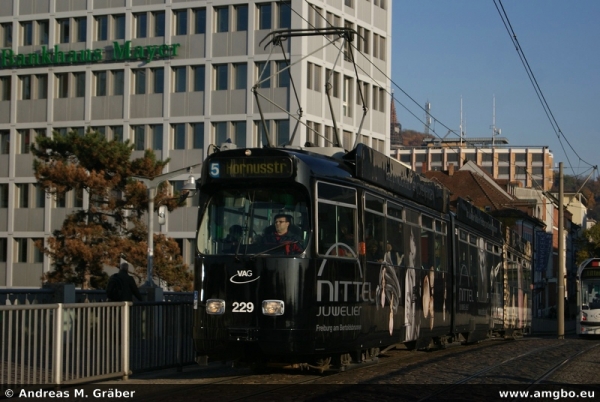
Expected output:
{"points": [[176, 77], [529, 165]]}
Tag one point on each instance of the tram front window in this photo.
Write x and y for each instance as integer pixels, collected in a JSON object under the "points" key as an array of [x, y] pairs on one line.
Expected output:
{"points": [[248, 221], [590, 295]]}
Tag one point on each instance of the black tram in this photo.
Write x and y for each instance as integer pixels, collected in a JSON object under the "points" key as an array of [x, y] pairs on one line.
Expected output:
{"points": [[371, 258]]}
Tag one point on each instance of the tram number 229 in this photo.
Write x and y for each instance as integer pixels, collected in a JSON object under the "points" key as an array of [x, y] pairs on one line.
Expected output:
{"points": [[242, 307]]}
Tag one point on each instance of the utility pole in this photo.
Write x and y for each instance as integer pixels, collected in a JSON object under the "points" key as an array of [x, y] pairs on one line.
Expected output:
{"points": [[560, 302]]}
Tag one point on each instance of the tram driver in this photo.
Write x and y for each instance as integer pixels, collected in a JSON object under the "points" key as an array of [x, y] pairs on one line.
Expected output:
{"points": [[282, 235]]}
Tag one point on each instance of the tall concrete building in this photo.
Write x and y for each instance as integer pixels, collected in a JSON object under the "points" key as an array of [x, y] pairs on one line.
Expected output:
{"points": [[531, 166], [174, 76]]}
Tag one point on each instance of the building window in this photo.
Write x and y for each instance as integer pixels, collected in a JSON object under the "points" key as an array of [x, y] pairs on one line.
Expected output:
{"points": [[157, 137], [100, 79], [334, 79], [43, 32], [38, 255], [63, 30], [158, 80], [101, 27], [6, 34], [503, 157], [6, 88], [315, 18], [40, 197], [118, 82], [314, 77], [264, 15], [27, 33], [347, 96], [159, 23], [81, 24], [179, 136], [119, 26], [537, 157], [25, 81], [42, 86], [285, 14], [199, 72], [4, 142], [139, 81], [239, 133], [198, 134], [180, 84], [221, 83], [141, 25], [3, 242], [78, 198], [61, 201], [139, 138], [3, 195], [200, 21], [220, 132], [79, 79], [241, 17], [24, 137], [263, 71], [20, 250], [181, 21], [283, 77], [240, 70], [222, 19], [282, 131], [349, 3], [62, 87], [117, 133], [22, 195]]}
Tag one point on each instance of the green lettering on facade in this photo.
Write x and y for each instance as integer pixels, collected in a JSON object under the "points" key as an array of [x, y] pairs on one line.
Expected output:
{"points": [[121, 52]]}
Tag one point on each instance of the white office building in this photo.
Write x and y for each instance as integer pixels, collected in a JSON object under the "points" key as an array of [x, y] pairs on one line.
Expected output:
{"points": [[174, 76]]}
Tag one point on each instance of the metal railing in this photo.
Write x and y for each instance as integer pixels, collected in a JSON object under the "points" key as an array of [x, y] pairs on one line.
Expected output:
{"points": [[81, 342]]}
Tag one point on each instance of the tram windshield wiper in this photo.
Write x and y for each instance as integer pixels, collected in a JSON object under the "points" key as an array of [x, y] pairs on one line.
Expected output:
{"points": [[275, 248]]}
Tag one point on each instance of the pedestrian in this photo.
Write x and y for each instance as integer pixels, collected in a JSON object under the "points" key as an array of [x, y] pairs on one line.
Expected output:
{"points": [[121, 286]]}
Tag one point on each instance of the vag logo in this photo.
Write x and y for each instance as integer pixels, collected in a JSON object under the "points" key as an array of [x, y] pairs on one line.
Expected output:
{"points": [[241, 275]]}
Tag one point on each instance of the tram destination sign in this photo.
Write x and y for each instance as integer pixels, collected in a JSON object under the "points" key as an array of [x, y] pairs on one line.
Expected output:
{"points": [[590, 273], [250, 167], [386, 172]]}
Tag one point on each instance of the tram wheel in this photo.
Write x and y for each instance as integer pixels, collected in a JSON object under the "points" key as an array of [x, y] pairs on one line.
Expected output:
{"points": [[411, 345]]}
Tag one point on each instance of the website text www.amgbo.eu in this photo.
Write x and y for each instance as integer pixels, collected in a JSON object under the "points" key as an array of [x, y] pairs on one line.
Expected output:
{"points": [[555, 395]]}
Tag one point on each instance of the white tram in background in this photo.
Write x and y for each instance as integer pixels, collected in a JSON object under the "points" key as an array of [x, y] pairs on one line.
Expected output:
{"points": [[588, 300]]}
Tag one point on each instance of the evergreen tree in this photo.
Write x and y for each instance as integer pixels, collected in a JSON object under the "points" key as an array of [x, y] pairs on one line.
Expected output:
{"points": [[112, 224]]}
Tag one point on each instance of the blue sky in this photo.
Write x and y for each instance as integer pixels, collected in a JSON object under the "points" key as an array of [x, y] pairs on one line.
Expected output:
{"points": [[443, 50]]}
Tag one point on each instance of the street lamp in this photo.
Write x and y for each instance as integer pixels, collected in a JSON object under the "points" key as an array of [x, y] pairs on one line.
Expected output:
{"points": [[152, 185]]}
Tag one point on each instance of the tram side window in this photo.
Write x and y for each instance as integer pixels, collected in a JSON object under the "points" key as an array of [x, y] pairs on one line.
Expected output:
{"points": [[464, 276], [473, 257], [374, 228], [427, 243], [441, 253], [336, 220], [395, 235]]}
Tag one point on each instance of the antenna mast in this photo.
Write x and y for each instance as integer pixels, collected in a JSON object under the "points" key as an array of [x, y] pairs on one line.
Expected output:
{"points": [[427, 117], [495, 130], [462, 133]]}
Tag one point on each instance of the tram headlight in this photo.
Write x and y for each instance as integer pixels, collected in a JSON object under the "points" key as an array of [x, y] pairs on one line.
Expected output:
{"points": [[273, 307], [215, 306]]}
